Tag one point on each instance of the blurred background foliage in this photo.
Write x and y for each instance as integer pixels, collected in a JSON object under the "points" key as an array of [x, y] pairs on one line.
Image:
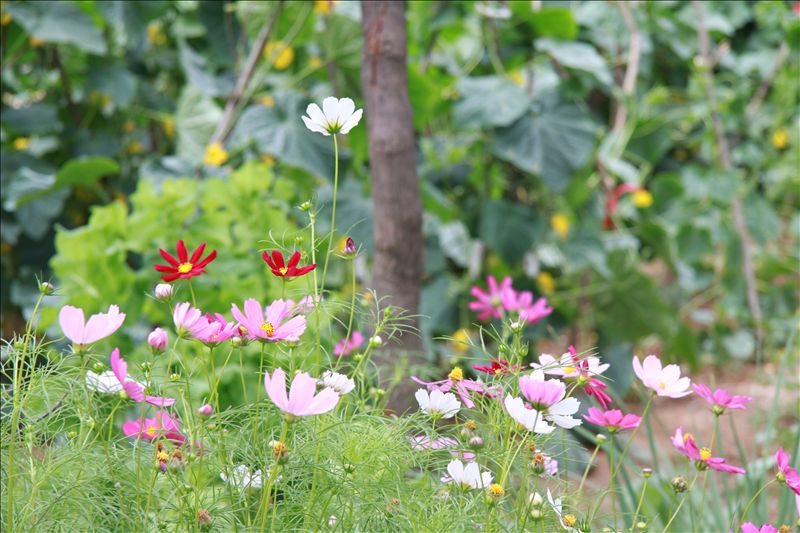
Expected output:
{"points": [[109, 109]]}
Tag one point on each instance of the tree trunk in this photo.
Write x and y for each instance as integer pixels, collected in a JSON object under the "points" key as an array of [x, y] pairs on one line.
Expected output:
{"points": [[397, 266]]}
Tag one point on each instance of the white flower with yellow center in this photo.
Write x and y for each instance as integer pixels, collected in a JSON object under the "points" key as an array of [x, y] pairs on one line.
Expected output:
{"points": [[438, 404], [467, 477], [338, 382], [336, 116]]}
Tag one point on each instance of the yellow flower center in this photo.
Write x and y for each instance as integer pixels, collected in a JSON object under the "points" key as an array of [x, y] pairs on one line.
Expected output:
{"points": [[151, 430], [498, 370], [496, 490], [162, 456], [184, 268], [471, 425], [687, 436], [569, 369], [662, 385], [642, 198], [560, 224], [268, 328], [283, 270], [569, 520], [456, 374], [705, 454], [784, 529]]}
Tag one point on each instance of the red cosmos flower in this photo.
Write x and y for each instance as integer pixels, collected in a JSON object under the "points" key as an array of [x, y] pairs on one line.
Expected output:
{"points": [[289, 270], [499, 366], [184, 267]]}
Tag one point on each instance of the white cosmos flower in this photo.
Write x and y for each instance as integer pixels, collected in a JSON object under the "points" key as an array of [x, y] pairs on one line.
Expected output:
{"points": [[338, 382], [438, 404], [243, 478], [532, 419], [568, 366], [468, 477], [105, 382], [336, 116], [567, 521]]}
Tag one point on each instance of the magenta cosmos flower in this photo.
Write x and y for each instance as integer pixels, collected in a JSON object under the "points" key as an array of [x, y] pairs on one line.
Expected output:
{"points": [[613, 419], [549, 397], [347, 346], [749, 527], [213, 330], [666, 381], [131, 387], [456, 380], [530, 311], [303, 399], [721, 399], [584, 370], [99, 326], [492, 304], [268, 324], [786, 473], [686, 445], [163, 425], [498, 366]]}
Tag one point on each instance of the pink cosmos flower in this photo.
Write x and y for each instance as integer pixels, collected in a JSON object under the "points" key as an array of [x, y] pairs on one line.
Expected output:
{"points": [[786, 473], [132, 388], [213, 330], [185, 317], [346, 346], [549, 397], [721, 399], [492, 304], [686, 445], [268, 324], [157, 339], [302, 399], [162, 425], [529, 311], [665, 381], [749, 527], [456, 380], [613, 420], [99, 326], [570, 366]]}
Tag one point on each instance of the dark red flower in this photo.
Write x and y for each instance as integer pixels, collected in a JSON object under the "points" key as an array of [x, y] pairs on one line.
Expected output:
{"points": [[289, 270], [184, 267], [613, 199], [499, 366]]}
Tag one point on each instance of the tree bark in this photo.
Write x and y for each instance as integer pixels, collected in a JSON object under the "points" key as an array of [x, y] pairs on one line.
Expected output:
{"points": [[397, 265]]}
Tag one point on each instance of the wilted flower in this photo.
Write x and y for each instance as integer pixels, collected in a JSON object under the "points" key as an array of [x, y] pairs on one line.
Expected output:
{"points": [[665, 381], [99, 326], [679, 484], [184, 267], [549, 397], [613, 420], [531, 419], [303, 399], [469, 477], [721, 399], [163, 291], [346, 346], [268, 324], [338, 382], [437, 404], [686, 445], [162, 425], [543, 463], [336, 116], [203, 518], [157, 339], [242, 477], [286, 270]]}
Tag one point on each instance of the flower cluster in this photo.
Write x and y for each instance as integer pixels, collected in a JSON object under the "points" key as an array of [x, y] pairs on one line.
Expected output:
{"points": [[502, 299]]}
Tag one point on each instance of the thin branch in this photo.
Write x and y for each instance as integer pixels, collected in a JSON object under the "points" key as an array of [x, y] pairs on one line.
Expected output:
{"points": [[65, 87], [229, 115], [763, 89], [725, 161], [632, 70]]}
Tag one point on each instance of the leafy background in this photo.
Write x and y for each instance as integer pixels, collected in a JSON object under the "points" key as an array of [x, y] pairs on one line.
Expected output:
{"points": [[108, 109]]}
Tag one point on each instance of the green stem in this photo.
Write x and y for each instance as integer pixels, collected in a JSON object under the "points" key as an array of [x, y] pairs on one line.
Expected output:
{"points": [[258, 392], [639, 505], [611, 481], [753, 499], [333, 211], [586, 470], [352, 312], [191, 291], [266, 496], [680, 504], [705, 474]]}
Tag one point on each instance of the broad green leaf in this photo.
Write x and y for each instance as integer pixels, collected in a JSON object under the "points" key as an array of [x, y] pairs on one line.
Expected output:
{"points": [[551, 140], [59, 22], [33, 119], [85, 171], [113, 79], [578, 56], [474, 110], [509, 229], [196, 119], [195, 67], [556, 22]]}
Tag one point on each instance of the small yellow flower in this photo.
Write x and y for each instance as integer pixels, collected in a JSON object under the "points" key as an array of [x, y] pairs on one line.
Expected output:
{"points": [[560, 224], [279, 53], [156, 35], [267, 159], [129, 126], [169, 127], [517, 77], [546, 282], [22, 143], [461, 340], [315, 62], [496, 491], [642, 199], [569, 520], [279, 449], [323, 7], [456, 374], [36, 42], [6, 19], [215, 155], [471, 425], [135, 147], [780, 139], [267, 101]]}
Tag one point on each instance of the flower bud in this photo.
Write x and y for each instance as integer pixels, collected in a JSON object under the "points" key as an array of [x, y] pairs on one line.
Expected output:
{"points": [[157, 340], [299, 239], [523, 350], [600, 438], [177, 461], [641, 526], [647, 472], [349, 468], [517, 326], [236, 341], [279, 450], [205, 410], [718, 410], [536, 500], [476, 442], [147, 366], [375, 391], [679, 484], [375, 341], [349, 247], [305, 206], [98, 367], [175, 377], [203, 519], [536, 514], [358, 357], [163, 291], [47, 288], [332, 521]]}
